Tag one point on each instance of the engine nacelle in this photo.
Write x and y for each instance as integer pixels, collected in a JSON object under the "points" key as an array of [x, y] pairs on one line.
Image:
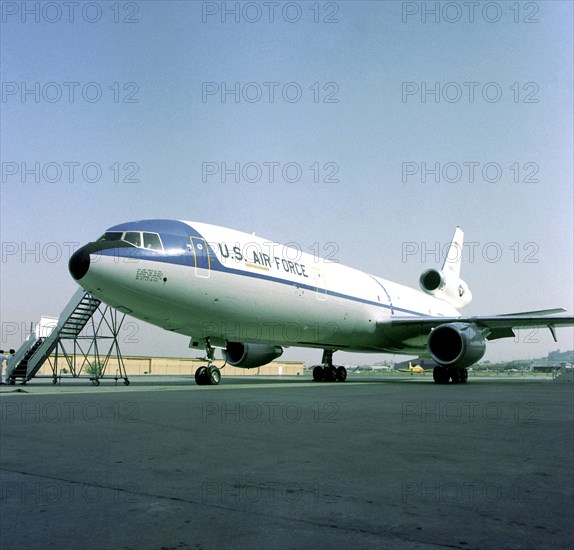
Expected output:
{"points": [[456, 345], [250, 356], [452, 290]]}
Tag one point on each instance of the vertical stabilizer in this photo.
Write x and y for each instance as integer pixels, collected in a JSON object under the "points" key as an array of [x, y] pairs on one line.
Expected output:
{"points": [[453, 260], [446, 284]]}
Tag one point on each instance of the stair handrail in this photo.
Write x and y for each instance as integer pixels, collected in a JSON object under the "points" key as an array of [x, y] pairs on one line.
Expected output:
{"points": [[48, 342], [71, 307], [44, 349], [13, 360]]}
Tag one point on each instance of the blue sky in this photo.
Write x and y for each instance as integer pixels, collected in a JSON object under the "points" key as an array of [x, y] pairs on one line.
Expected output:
{"points": [[161, 119]]}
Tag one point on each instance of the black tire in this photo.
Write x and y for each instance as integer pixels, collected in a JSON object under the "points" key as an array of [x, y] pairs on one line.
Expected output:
{"points": [[440, 375], [455, 375], [201, 376], [330, 374], [318, 374], [213, 376], [126, 382], [341, 374], [436, 375]]}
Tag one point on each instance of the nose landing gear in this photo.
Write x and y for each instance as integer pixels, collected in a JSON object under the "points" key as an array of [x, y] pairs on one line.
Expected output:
{"points": [[208, 375]]}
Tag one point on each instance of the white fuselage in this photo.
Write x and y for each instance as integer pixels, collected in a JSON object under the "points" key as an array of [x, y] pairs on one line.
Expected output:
{"points": [[238, 287]]}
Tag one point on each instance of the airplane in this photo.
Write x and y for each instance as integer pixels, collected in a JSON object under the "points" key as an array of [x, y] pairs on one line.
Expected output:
{"points": [[251, 297]]}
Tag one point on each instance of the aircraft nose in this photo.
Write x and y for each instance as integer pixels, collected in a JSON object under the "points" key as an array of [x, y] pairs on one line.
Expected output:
{"points": [[79, 263]]}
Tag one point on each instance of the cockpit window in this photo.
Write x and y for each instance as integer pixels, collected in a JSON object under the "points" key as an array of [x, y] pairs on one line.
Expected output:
{"points": [[138, 239], [111, 236], [152, 241], [133, 237]]}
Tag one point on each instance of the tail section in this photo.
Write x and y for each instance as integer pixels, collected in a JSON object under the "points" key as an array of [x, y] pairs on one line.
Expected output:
{"points": [[446, 284], [453, 260]]}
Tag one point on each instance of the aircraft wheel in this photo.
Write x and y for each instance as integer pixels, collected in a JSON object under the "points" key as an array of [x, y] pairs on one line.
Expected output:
{"points": [[436, 375], [330, 374], [201, 376], [341, 374], [440, 375], [318, 374], [213, 376], [54, 380], [456, 375], [126, 382]]}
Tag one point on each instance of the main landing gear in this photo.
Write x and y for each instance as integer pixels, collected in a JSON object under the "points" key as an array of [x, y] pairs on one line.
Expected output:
{"points": [[329, 372], [209, 375], [442, 375]]}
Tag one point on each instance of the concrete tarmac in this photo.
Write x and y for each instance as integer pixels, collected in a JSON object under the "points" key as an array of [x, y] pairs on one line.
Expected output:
{"points": [[253, 463]]}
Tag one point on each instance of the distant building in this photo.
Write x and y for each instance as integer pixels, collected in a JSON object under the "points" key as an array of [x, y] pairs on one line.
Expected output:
{"points": [[544, 365], [381, 367], [179, 366]]}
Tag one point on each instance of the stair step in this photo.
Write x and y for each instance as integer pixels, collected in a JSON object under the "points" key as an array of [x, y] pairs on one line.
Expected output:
{"points": [[82, 307]]}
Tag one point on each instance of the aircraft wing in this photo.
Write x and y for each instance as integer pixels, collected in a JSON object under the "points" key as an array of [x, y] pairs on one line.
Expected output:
{"points": [[492, 326]]}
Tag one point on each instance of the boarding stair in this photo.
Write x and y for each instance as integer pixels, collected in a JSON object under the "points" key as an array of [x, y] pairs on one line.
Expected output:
{"points": [[36, 349]]}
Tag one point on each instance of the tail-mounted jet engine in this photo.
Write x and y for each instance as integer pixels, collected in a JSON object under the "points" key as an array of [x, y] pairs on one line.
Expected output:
{"points": [[249, 356], [452, 289]]}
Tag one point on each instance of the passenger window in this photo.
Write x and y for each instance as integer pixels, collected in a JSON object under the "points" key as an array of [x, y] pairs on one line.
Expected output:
{"points": [[133, 237], [152, 241]]}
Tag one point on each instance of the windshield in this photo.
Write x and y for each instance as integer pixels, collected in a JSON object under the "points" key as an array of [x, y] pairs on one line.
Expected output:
{"points": [[138, 239]]}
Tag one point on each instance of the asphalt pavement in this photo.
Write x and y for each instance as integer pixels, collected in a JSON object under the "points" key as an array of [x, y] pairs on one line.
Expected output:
{"points": [[385, 462]]}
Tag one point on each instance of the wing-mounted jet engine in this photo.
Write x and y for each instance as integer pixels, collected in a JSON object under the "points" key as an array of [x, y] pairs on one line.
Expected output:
{"points": [[446, 284], [249, 356], [236, 354]]}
